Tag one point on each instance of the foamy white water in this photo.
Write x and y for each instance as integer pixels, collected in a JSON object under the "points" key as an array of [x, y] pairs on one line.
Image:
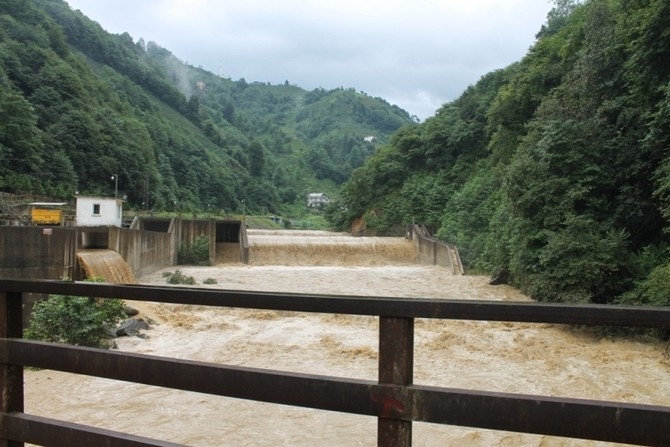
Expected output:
{"points": [[285, 247], [506, 357]]}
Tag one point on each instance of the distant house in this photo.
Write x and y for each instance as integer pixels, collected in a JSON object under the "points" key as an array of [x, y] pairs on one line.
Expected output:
{"points": [[317, 200], [99, 211]]}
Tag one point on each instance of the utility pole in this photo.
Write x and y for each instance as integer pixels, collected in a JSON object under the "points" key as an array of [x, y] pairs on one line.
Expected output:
{"points": [[115, 177]]}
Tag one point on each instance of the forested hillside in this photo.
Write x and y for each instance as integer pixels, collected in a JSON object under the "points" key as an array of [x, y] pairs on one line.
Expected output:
{"points": [[78, 105], [554, 170]]}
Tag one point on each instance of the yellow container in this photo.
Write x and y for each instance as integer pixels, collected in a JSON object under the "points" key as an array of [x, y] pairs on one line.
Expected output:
{"points": [[40, 216]]}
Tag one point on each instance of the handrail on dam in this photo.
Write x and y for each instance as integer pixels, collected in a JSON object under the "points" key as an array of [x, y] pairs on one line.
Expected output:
{"points": [[393, 399]]}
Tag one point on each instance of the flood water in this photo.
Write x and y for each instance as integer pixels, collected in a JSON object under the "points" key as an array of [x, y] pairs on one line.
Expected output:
{"points": [[506, 357]]}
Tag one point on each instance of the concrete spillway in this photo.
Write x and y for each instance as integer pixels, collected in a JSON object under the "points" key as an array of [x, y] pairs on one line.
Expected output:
{"points": [[107, 264], [280, 247]]}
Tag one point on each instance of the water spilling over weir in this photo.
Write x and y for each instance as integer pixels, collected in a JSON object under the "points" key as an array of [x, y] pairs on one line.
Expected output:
{"points": [[107, 264], [314, 248]]}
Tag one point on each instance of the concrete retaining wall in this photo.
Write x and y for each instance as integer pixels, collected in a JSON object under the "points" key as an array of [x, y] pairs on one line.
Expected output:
{"points": [[37, 252], [30, 252], [50, 252], [434, 252], [144, 251]]}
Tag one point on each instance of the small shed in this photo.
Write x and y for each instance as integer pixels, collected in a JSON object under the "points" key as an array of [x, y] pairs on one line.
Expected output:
{"points": [[99, 211]]}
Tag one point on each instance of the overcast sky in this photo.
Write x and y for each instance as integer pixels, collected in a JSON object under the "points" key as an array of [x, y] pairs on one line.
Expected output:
{"points": [[417, 54]]}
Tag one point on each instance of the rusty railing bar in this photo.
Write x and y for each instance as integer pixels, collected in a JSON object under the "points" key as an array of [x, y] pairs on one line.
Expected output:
{"points": [[619, 422], [264, 385], [55, 433], [11, 376], [509, 311], [575, 418], [396, 368]]}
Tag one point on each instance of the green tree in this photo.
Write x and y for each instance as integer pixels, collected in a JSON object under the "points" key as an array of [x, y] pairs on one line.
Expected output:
{"points": [[84, 321], [197, 253], [653, 290], [256, 158], [20, 138]]}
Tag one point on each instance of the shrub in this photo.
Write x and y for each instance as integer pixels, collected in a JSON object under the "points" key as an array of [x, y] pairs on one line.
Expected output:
{"points": [[75, 320], [652, 291], [210, 281], [196, 254], [177, 277]]}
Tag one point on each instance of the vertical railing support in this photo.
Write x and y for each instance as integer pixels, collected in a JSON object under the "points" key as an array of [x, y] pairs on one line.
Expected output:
{"points": [[396, 367], [11, 376]]}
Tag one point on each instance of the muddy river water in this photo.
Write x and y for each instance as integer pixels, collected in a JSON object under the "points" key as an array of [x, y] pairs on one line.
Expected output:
{"points": [[506, 357]]}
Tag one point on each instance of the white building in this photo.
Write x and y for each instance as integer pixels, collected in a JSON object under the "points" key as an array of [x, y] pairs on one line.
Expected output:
{"points": [[99, 211], [317, 200]]}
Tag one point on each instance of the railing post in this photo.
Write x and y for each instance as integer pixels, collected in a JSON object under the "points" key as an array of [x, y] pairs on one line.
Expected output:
{"points": [[396, 367], [11, 376]]}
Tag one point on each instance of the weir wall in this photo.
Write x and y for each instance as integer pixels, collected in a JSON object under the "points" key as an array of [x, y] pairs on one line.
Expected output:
{"points": [[144, 251], [31, 252], [434, 252]]}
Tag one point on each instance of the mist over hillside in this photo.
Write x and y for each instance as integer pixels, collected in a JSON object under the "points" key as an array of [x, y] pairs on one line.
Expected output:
{"points": [[80, 105]]}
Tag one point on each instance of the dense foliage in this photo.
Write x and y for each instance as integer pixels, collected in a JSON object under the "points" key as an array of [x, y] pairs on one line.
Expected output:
{"points": [[197, 253], [556, 168], [75, 320], [78, 105]]}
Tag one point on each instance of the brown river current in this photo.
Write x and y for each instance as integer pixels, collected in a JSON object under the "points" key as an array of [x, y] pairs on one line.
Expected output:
{"points": [[506, 357]]}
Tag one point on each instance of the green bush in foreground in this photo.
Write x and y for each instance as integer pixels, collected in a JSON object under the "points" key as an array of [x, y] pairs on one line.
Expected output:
{"points": [[75, 320]]}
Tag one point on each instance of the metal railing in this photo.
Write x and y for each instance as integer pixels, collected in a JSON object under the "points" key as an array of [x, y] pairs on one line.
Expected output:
{"points": [[10, 211], [394, 399]]}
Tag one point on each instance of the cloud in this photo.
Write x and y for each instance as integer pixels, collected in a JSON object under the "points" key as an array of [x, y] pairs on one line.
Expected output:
{"points": [[416, 54]]}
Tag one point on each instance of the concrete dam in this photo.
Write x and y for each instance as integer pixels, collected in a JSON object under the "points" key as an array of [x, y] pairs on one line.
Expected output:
{"points": [[122, 254]]}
